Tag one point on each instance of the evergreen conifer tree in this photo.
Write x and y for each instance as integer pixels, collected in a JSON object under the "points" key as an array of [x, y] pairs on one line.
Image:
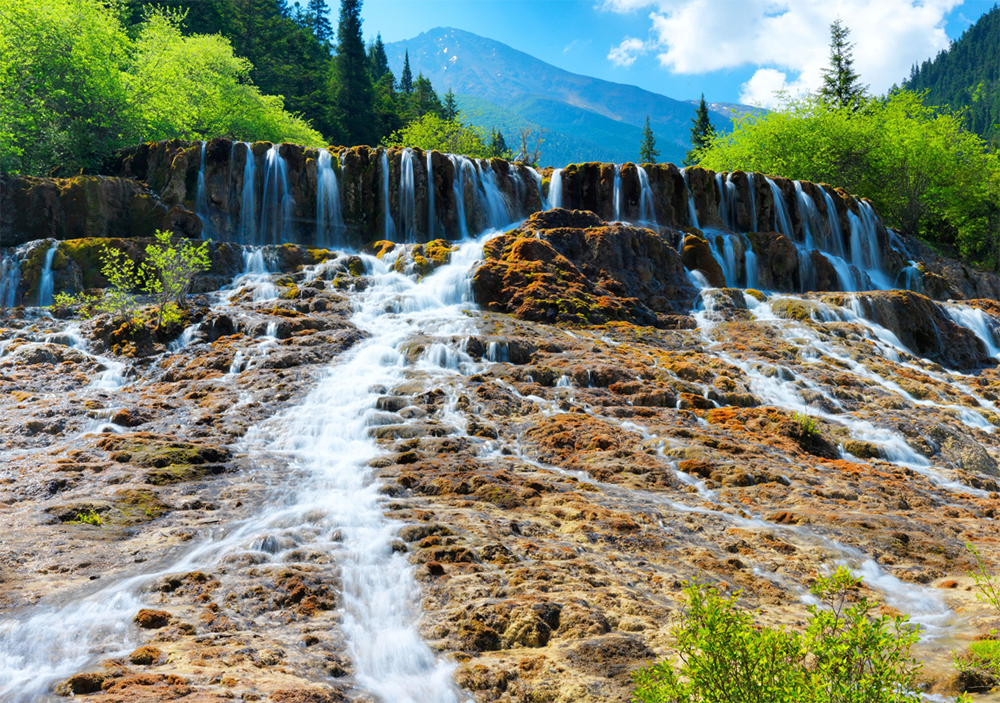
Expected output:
{"points": [[498, 145], [701, 132], [841, 87], [648, 153], [318, 18], [450, 106], [406, 80], [378, 62], [351, 82]]}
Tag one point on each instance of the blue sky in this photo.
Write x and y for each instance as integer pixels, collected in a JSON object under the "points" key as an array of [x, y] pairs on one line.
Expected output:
{"points": [[732, 50]]}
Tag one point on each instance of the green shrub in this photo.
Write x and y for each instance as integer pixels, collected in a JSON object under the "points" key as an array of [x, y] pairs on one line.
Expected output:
{"points": [[982, 659], [88, 518], [845, 654], [807, 425], [175, 268]]}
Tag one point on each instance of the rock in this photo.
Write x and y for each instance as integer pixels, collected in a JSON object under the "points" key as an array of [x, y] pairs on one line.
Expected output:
{"points": [[697, 256], [144, 656], [152, 619], [81, 684]]}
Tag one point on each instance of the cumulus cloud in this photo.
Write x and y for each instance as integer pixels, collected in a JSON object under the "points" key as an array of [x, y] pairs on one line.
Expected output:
{"points": [[627, 52], [788, 38]]}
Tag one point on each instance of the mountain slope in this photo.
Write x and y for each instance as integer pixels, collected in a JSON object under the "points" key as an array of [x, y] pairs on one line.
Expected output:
{"points": [[967, 76], [589, 117]]}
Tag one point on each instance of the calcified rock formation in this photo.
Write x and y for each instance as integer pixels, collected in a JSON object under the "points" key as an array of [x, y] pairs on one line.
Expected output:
{"points": [[366, 469]]}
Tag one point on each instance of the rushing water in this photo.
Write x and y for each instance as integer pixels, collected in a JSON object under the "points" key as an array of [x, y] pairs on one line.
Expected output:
{"points": [[247, 232], [201, 199], [330, 227], [47, 282], [407, 198], [277, 206], [556, 189]]}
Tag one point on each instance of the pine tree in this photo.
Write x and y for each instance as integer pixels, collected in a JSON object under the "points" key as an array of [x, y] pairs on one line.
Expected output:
{"points": [[498, 145], [350, 80], [424, 99], [450, 106], [317, 16], [701, 132], [648, 153], [406, 80], [378, 62], [841, 87]]}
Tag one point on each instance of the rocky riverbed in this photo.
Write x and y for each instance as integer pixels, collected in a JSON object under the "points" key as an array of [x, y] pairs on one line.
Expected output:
{"points": [[496, 466]]}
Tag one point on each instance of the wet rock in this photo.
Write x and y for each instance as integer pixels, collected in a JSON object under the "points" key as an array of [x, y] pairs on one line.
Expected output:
{"points": [[152, 619]]}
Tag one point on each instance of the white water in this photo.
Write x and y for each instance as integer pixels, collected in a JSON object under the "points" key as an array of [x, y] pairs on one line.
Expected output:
{"points": [[431, 221], [247, 233], [256, 275], [10, 279], [330, 227], [979, 322], [46, 285], [617, 216], [458, 185], [201, 198], [692, 210], [277, 203], [647, 207], [407, 198], [556, 189]]}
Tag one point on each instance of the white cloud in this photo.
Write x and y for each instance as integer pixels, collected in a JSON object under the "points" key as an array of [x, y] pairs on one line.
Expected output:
{"points": [[787, 37], [626, 53]]}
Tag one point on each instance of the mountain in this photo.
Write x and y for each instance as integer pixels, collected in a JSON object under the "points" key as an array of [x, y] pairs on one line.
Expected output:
{"points": [[967, 76], [587, 119], [731, 110]]}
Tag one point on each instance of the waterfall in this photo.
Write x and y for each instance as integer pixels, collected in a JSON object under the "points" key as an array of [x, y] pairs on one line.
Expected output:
{"points": [[458, 185], [277, 207], [836, 240], [647, 206], [980, 323], [520, 191], [201, 198], [329, 214], [544, 203], [912, 278], [10, 279], [692, 211], [247, 233], [781, 219], [407, 198], [808, 214], [390, 226], [556, 189], [750, 262], [431, 222], [256, 275], [865, 252], [618, 194], [46, 286], [753, 204], [727, 200], [498, 213]]}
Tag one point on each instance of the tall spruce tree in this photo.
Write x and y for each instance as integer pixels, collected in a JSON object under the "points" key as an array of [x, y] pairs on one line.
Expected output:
{"points": [[450, 106], [378, 62], [648, 153], [351, 82], [406, 79], [498, 145], [701, 132], [841, 84], [317, 16]]}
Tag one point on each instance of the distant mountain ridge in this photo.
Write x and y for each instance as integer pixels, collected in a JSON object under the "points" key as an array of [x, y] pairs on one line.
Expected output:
{"points": [[587, 118]]}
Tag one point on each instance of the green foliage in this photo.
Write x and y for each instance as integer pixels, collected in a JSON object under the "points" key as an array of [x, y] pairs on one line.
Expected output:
{"points": [[351, 83], [648, 153], [87, 518], [964, 77], [982, 659], [433, 132], [924, 173], [406, 79], [378, 62], [807, 424], [450, 106], [845, 654], [498, 145], [76, 86], [841, 85], [702, 133], [176, 267]]}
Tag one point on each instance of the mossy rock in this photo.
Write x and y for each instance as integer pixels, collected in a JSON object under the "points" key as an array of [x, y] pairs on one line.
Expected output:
{"points": [[181, 473], [862, 450], [793, 309]]}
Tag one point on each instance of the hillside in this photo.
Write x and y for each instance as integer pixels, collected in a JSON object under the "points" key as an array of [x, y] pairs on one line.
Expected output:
{"points": [[967, 76], [587, 118]]}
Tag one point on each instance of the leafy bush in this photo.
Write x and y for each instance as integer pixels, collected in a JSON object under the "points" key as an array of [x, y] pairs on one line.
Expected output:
{"points": [[807, 425], [75, 86], [922, 170], [176, 268], [845, 654], [88, 518], [450, 136], [982, 660]]}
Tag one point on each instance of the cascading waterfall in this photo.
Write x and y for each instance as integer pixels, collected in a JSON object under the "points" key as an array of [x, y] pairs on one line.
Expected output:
{"points": [[727, 200], [10, 279], [458, 185], [556, 189], [979, 322], [781, 219], [835, 242], [647, 208], [247, 233], [407, 198], [617, 216], [431, 221], [278, 204], [911, 278], [390, 226], [330, 226], [201, 198], [750, 262], [692, 211], [256, 275], [46, 285], [495, 204], [753, 204], [538, 184]]}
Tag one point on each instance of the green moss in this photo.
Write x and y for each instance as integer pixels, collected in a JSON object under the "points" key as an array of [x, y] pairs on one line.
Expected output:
{"points": [[356, 267], [138, 505], [179, 473], [791, 309], [754, 293]]}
